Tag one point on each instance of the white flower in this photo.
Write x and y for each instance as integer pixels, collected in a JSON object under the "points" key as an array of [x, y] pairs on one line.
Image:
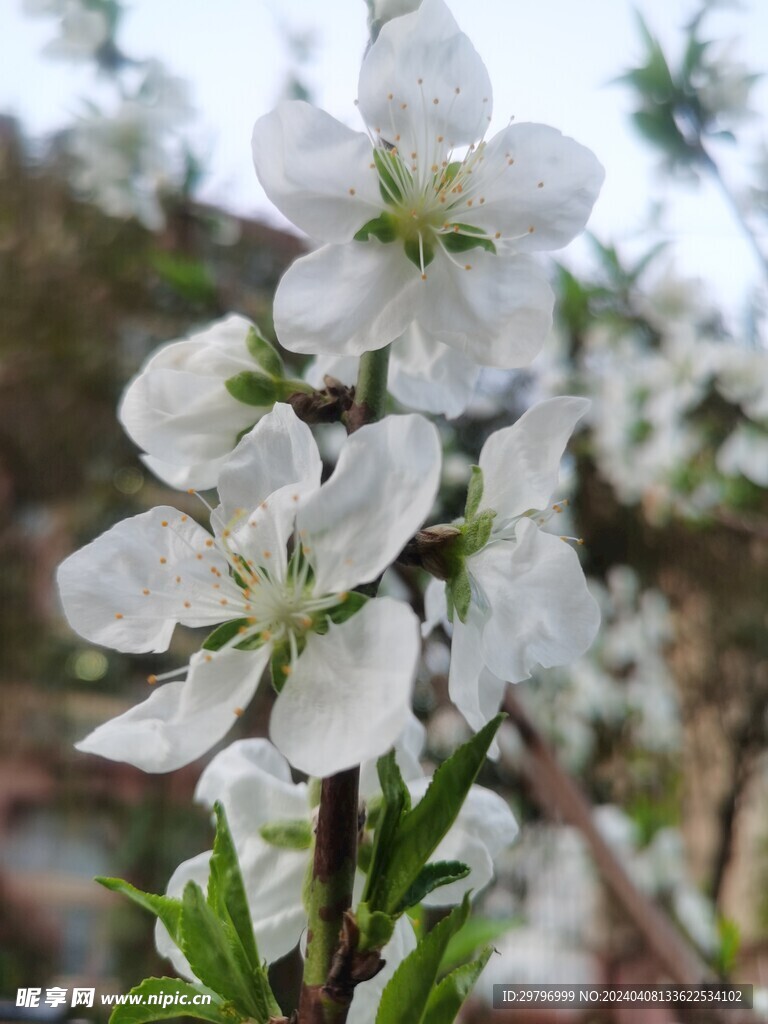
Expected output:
{"points": [[413, 231], [253, 782], [178, 409], [346, 691], [746, 453], [423, 374], [529, 601]]}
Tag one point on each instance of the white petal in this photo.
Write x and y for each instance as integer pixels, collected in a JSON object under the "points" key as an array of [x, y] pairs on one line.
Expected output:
{"points": [[382, 489], [417, 59], [521, 463], [745, 452], [427, 375], [348, 697], [464, 677], [347, 299], [194, 870], [199, 476], [408, 748], [279, 451], [253, 781], [316, 171], [551, 187], [498, 313], [128, 588], [274, 879], [181, 721], [541, 610], [368, 995], [435, 607]]}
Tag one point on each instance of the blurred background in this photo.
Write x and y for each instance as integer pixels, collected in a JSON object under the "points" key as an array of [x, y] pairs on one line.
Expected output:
{"points": [[129, 215]]}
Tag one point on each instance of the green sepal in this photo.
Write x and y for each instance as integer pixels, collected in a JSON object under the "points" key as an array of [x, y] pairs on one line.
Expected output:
{"points": [[447, 998], [474, 492], [391, 191], [218, 958], [254, 388], [292, 834], [375, 927], [477, 532], [167, 909], [431, 877], [466, 238], [345, 609], [415, 252], [280, 665], [223, 634], [450, 172], [459, 591], [407, 838], [383, 227], [265, 354], [407, 994], [216, 1011]]}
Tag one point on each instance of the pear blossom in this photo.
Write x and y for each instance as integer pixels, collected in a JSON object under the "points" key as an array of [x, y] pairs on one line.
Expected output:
{"points": [[344, 683], [253, 782], [413, 231], [529, 603], [178, 409]]}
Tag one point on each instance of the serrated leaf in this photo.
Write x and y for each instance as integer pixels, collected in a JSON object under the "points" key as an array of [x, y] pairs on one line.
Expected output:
{"points": [[395, 802], [431, 877], [294, 834], [226, 891], [161, 988], [216, 959], [447, 998], [375, 927], [477, 932], [459, 591], [477, 532], [253, 388], [417, 833], [383, 227], [265, 354], [474, 492], [406, 995], [164, 907]]}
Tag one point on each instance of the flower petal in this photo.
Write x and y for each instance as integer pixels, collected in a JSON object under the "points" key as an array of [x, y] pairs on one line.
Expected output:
{"points": [[497, 313], [468, 680], [128, 588], [423, 78], [347, 299], [279, 451], [382, 489], [521, 463], [200, 476], [541, 610], [253, 781], [274, 880], [550, 187], [316, 171], [427, 375], [348, 697], [181, 721]]}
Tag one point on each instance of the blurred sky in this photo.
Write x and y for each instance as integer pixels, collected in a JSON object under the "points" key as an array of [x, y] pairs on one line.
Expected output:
{"points": [[549, 60]]}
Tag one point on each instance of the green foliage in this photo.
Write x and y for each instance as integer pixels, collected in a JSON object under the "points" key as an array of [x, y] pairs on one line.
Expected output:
{"points": [[410, 994], [164, 907], [730, 943], [419, 251], [265, 354], [288, 835], [464, 237], [407, 837], [447, 998], [164, 988], [459, 592], [431, 876], [474, 492], [383, 227], [189, 278], [253, 388], [477, 532], [475, 934]]}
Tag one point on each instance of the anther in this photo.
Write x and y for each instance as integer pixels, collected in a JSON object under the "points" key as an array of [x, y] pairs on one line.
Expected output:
{"points": [[184, 519], [457, 90], [164, 522], [390, 96], [223, 601], [151, 680], [531, 229], [497, 235], [145, 592], [118, 615], [267, 554], [187, 604], [352, 191], [239, 712], [163, 561], [435, 101], [209, 543], [540, 185], [467, 266]]}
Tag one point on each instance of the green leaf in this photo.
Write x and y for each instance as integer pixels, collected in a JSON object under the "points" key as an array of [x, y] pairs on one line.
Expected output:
{"points": [[477, 532], [253, 388], [188, 277], [416, 252], [164, 907], [395, 802], [383, 227], [465, 238], [293, 834], [474, 492], [223, 634], [407, 994], [431, 877], [477, 932], [415, 834], [216, 958], [375, 927], [447, 998], [459, 591], [265, 354], [162, 989], [226, 892]]}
